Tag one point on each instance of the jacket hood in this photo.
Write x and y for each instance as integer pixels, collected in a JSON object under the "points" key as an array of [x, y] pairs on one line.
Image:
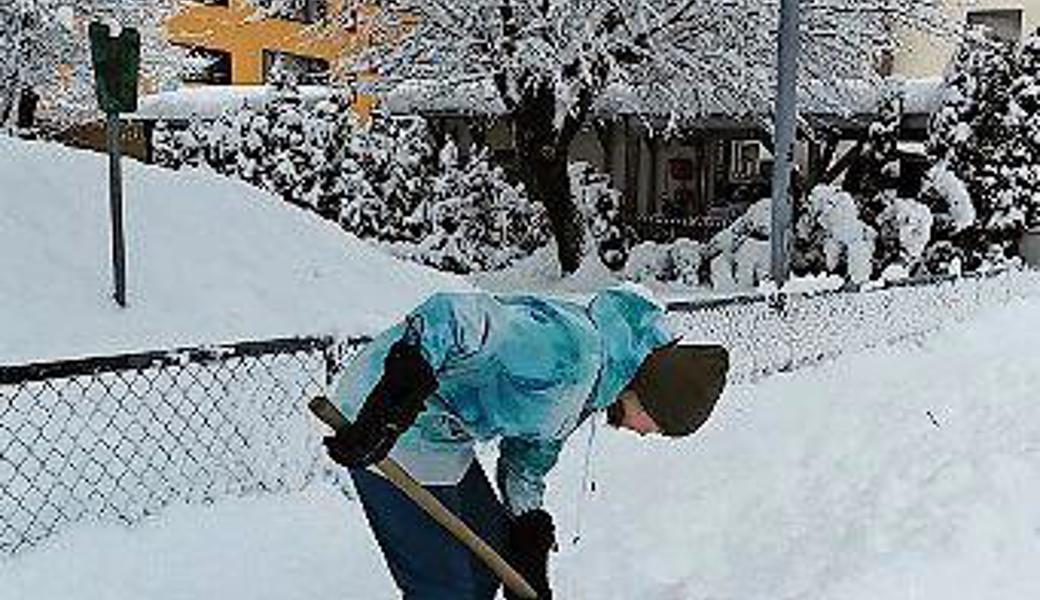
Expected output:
{"points": [[630, 327]]}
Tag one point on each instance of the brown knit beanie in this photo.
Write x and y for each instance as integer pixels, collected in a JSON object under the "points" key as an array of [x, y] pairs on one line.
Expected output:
{"points": [[679, 384]]}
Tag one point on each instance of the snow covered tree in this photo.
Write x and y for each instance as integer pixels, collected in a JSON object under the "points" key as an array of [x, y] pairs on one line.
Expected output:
{"points": [[1023, 119], [551, 63], [45, 50], [971, 137], [600, 208]]}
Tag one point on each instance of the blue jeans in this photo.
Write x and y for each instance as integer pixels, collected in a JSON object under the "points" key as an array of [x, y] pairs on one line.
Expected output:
{"points": [[426, 561]]}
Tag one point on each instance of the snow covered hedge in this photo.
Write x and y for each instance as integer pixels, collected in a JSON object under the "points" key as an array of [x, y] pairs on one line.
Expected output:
{"points": [[384, 180]]}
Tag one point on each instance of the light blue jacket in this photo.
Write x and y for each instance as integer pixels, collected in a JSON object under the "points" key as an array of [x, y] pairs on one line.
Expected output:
{"points": [[524, 368]]}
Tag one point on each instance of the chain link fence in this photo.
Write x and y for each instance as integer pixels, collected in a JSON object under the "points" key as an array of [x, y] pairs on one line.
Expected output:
{"points": [[119, 438], [770, 334]]}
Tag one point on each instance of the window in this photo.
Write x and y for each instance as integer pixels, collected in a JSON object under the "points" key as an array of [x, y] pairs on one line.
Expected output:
{"points": [[203, 65], [298, 68], [745, 161], [1001, 24], [306, 11]]}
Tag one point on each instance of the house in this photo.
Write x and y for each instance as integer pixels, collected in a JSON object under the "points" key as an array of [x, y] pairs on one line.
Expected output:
{"points": [[690, 183]]}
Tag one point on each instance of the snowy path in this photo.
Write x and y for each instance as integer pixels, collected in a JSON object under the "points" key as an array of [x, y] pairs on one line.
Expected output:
{"points": [[832, 482]]}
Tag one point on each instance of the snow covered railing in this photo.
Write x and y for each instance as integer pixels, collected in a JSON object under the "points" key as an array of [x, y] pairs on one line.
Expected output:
{"points": [[120, 437], [774, 333]]}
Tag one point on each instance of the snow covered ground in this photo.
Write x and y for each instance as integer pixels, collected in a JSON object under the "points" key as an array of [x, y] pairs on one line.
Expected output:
{"points": [[209, 260], [904, 472], [907, 472]]}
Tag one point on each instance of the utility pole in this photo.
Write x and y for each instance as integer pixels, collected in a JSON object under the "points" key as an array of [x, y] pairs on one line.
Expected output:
{"points": [[786, 116]]}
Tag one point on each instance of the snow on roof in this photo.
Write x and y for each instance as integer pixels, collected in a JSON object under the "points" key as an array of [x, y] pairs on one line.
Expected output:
{"points": [[922, 96], [209, 101], [859, 97]]}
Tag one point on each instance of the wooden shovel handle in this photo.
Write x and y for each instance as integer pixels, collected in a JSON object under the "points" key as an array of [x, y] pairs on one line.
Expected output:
{"points": [[331, 416]]}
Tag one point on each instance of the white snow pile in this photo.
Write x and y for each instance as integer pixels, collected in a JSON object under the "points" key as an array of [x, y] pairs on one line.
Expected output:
{"points": [[904, 472], [209, 260], [210, 101]]}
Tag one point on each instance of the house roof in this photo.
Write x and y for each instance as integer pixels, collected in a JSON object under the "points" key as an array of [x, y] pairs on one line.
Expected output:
{"points": [[858, 98]]}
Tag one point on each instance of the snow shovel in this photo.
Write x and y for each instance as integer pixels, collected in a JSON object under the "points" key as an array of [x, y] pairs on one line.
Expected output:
{"points": [[331, 416]]}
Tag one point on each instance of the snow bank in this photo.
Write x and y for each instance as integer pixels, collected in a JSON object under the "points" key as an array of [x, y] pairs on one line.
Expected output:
{"points": [[209, 260]]}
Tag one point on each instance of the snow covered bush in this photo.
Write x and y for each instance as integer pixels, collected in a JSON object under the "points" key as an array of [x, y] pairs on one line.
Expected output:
{"points": [[473, 219], [904, 229], [380, 180], [679, 261], [739, 256], [283, 146], [648, 261], [831, 238], [387, 174], [877, 167]]}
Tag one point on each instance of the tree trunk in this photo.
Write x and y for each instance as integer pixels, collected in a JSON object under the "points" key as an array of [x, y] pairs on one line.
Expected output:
{"points": [[548, 183], [542, 151]]}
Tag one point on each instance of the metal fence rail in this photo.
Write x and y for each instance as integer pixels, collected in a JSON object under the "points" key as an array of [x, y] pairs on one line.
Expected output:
{"points": [[121, 437], [770, 334]]}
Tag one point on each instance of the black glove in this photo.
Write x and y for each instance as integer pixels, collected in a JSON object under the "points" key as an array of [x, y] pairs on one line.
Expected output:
{"points": [[531, 536], [390, 409]]}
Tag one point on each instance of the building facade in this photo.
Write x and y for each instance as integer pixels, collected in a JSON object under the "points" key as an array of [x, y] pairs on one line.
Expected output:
{"points": [[238, 43], [922, 55]]}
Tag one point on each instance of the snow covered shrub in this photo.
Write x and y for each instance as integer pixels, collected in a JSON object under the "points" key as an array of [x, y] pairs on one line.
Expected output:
{"points": [[904, 229], [284, 147], [685, 257], [380, 180], [738, 256], [387, 174], [600, 206], [473, 218], [648, 261], [831, 238], [877, 168], [679, 261]]}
